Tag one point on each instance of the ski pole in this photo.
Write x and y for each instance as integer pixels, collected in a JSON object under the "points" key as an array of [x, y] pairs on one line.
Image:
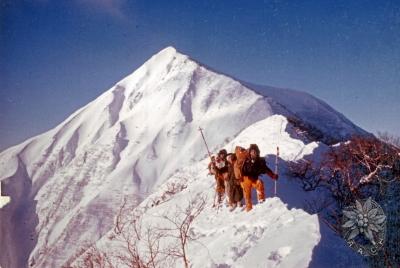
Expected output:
{"points": [[276, 166]]}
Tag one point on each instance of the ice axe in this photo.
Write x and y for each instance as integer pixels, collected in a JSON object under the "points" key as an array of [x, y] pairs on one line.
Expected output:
{"points": [[276, 167], [202, 135], [277, 157], [209, 154]]}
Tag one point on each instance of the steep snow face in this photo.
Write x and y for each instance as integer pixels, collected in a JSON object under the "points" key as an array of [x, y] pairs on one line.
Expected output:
{"points": [[69, 182]]}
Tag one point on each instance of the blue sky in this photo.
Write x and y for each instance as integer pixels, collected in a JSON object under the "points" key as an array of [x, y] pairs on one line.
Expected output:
{"points": [[56, 56]]}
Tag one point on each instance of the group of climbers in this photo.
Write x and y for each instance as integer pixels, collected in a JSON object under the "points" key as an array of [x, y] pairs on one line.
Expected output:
{"points": [[237, 173]]}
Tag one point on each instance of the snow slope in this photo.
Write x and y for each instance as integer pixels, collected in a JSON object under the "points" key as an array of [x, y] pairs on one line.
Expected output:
{"points": [[67, 184], [270, 235]]}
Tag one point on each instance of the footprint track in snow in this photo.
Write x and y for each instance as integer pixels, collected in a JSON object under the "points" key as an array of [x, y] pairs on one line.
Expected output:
{"points": [[278, 255]]}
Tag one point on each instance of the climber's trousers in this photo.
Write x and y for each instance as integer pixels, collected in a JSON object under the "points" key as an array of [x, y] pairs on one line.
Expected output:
{"points": [[247, 184], [220, 187]]}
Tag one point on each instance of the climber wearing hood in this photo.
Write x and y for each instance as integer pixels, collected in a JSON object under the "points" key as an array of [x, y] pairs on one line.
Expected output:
{"points": [[211, 166], [252, 168], [221, 174]]}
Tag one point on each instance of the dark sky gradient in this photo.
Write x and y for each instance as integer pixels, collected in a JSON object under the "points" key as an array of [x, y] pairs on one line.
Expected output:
{"points": [[56, 56]]}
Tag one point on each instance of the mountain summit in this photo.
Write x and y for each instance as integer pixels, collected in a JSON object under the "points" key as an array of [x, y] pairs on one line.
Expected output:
{"points": [[67, 184]]}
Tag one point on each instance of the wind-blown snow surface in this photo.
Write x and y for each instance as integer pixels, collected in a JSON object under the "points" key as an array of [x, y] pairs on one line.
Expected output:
{"points": [[67, 184]]}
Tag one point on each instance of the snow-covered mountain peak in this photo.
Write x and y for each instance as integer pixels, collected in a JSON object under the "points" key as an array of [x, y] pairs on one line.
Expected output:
{"points": [[134, 138], [166, 51], [156, 67]]}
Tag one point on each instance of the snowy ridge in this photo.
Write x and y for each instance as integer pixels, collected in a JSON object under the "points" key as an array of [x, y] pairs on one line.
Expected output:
{"points": [[315, 113], [128, 142], [270, 235]]}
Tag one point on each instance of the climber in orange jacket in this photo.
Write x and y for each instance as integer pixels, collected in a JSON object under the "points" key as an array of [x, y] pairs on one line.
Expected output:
{"points": [[252, 168]]}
